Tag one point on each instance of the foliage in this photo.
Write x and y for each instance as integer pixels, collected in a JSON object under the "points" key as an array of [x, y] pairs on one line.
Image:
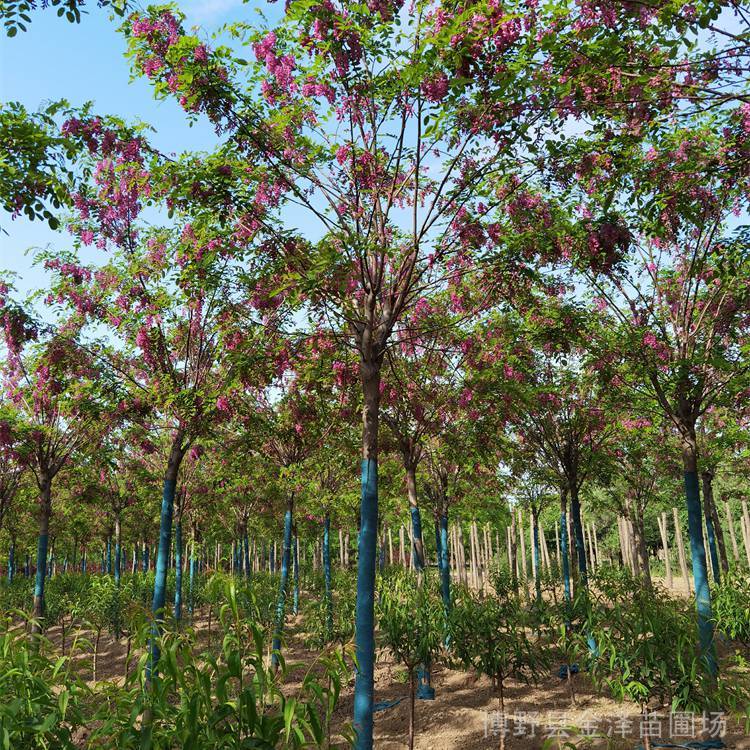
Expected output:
{"points": [[646, 647], [491, 635], [41, 696], [200, 700], [411, 619], [731, 607]]}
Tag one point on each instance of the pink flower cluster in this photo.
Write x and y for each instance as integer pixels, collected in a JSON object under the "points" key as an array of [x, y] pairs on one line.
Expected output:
{"points": [[281, 68], [435, 89], [636, 424], [660, 349]]}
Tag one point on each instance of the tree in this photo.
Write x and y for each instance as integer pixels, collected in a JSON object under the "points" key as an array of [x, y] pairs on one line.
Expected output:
{"points": [[674, 315], [182, 335], [63, 401], [389, 229]]}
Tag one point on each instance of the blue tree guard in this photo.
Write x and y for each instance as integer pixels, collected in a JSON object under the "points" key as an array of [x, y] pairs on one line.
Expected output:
{"points": [[178, 571], [160, 577], [327, 574], [281, 601], [418, 544], [365, 618], [700, 572]]}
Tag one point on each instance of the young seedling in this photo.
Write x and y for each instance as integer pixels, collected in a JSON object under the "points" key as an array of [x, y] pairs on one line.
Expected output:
{"points": [[647, 651], [412, 625], [491, 636]]}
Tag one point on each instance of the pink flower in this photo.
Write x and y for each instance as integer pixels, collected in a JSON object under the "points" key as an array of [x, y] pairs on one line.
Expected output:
{"points": [[265, 46], [342, 154], [435, 88]]}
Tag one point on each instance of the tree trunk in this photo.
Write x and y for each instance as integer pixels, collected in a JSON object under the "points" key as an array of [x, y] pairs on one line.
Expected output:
{"points": [[664, 531], [575, 518], [681, 549], [596, 544], [512, 550], [501, 703], [245, 552], [327, 574], [537, 563], [178, 569], [522, 536], [283, 581], [713, 527], [416, 519], [11, 560], [295, 566], [45, 511], [698, 552], [639, 541], [96, 654], [365, 614], [176, 455], [732, 534], [191, 579], [746, 530], [411, 709], [640, 545], [445, 564], [564, 543], [118, 549]]}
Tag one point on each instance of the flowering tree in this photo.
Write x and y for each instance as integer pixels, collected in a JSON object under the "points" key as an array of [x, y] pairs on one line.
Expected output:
{"points": [[62, 401], [11, 461], [12, 469], [674, 317], [422, 392], [639, 452], [535, 363], [385, 128], [117, 480], [183, 333]]}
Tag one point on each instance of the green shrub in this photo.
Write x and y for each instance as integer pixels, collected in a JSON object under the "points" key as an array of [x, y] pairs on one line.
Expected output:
{"points": [[492, 636], [730, 602], [412, 625], [647, 648], [41, 698]]}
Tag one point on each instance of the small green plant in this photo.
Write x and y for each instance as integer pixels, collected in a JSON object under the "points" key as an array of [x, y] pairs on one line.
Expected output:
{"points": [[63, 598], [492, 636], [318, 634], [231, 700], [412, 625], [100, 610], [41, 697], [198, 700], [730, 602], [647, 651]]}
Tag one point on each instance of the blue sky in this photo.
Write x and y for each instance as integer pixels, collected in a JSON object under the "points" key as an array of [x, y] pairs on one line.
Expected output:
{"points": [[81, 62]]}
